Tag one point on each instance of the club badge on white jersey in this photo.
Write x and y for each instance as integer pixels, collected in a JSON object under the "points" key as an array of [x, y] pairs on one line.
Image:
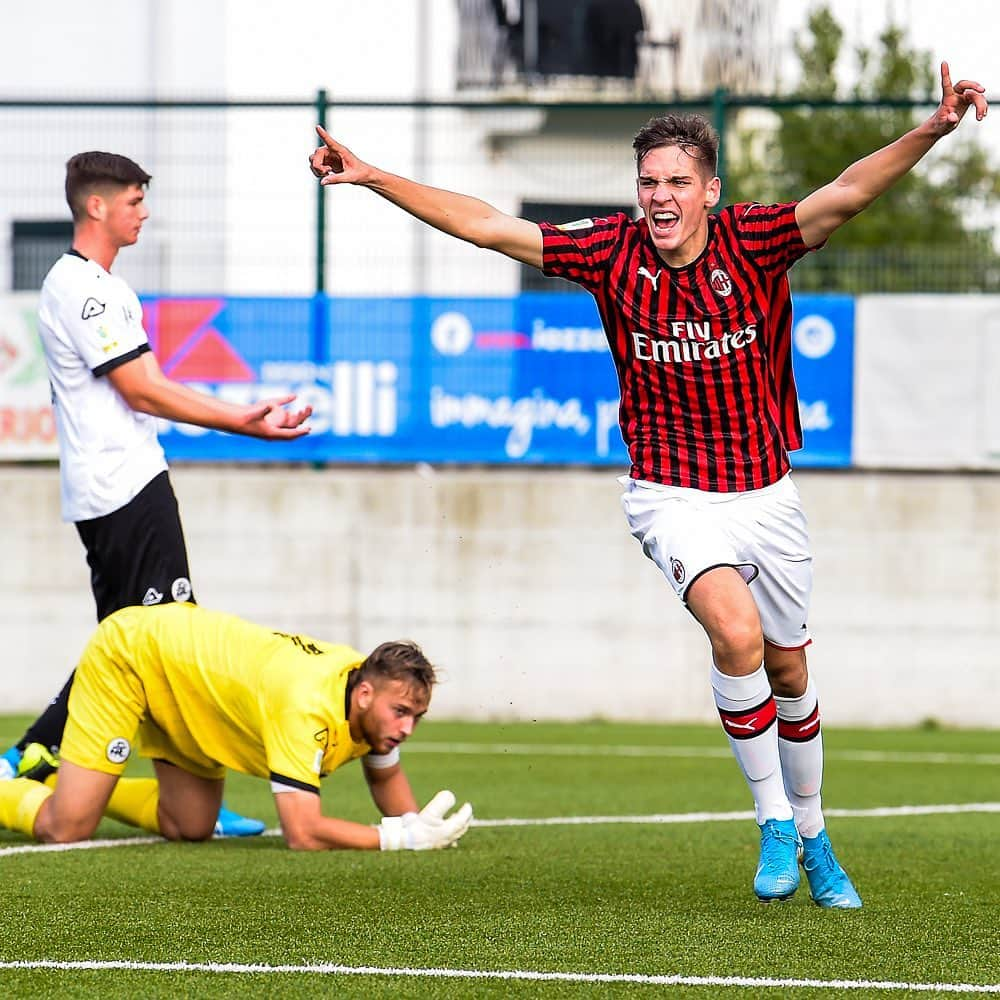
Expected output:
{"points": [[91, 308]]}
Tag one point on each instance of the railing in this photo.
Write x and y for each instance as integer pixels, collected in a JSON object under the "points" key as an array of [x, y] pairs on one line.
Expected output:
{"points": [[235, 210]]}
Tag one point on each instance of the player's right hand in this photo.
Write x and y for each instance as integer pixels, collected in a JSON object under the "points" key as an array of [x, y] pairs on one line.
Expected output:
{"points": [[427, 830], [327, 158], [334, 163]]}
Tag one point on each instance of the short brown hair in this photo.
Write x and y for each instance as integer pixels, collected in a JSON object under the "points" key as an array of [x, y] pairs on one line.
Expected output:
{"points": [[398, 661], [691, 132], [90, 172]]}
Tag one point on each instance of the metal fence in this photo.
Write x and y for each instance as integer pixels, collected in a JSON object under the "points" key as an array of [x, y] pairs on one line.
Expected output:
{"points": [[897, 269], [235, 210], [222, 206]]}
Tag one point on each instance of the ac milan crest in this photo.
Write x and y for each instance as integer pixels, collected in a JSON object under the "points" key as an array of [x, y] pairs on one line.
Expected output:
{"points": [[721, 283], [677, 568]]}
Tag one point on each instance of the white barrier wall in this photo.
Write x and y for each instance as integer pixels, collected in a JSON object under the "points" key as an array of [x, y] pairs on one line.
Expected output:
{"points": [[528, 591]]}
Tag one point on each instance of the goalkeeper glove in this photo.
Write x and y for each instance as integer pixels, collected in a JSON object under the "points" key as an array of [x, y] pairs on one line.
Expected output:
{"points": [[428, 829]]}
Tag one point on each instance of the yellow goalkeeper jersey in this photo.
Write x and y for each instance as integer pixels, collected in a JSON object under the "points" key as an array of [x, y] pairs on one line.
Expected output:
{"points": [[254, 699]]}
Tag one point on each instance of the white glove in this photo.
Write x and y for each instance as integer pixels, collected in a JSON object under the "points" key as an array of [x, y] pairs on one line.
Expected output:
{"points": [[428, 829]]}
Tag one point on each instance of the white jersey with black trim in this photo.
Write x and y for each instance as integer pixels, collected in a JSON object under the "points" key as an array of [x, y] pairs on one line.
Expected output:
{"points": [[90, 321]]}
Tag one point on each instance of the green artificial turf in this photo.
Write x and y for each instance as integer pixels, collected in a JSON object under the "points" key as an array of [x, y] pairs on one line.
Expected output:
{"points": [[591, 898]]}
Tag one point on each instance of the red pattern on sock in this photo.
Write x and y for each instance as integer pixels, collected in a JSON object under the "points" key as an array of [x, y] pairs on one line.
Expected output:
{"points": [[745, 725], [802, 730]]}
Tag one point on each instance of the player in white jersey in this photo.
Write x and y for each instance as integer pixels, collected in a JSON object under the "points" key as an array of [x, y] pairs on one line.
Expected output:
{"points": [[107, 391]]}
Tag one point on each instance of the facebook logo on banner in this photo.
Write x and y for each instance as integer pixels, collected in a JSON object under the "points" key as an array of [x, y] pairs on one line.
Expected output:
{"points": [[522, 379], [823, 359]]}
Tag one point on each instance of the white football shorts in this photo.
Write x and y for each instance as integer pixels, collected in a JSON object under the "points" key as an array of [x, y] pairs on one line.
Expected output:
{"points": [[761, 533]]}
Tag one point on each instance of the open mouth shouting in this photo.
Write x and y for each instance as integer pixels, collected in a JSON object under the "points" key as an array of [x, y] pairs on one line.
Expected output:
{"points": [[664, 222]]}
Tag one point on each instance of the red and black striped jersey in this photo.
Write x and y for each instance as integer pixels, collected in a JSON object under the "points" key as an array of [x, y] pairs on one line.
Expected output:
{"points": [[703, 352]]}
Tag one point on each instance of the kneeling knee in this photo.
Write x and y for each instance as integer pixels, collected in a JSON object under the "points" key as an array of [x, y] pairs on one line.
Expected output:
{"points": [[187, 830], [64, 831]]}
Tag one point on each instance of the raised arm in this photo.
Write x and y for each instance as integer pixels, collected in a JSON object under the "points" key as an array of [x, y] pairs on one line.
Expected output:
{"points": [[142, 384], [826, 209], [457, 215]]}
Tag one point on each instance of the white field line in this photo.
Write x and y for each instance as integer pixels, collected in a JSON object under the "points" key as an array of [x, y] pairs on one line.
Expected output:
{"points": [[80, 845], [653, 819], [525, 975], [595, 750], [726, 817]]}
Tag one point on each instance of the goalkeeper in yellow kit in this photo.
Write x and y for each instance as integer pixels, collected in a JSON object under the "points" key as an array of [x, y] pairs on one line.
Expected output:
{"points": [[201, 692]]}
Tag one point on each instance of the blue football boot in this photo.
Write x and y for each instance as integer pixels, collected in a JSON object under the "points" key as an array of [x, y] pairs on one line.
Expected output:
{"points": [[230, 824], [829, 885], [778, 872], [10, 760]]}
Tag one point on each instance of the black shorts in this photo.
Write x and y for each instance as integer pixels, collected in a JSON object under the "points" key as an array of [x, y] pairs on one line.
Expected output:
{"points": [[136, 554]]}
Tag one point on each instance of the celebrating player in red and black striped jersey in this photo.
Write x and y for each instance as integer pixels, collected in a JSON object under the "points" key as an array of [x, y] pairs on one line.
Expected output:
{"points": [[697, 312]]}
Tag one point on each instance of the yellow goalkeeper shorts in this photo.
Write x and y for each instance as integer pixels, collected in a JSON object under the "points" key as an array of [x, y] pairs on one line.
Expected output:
{"points": [[109, 715]]}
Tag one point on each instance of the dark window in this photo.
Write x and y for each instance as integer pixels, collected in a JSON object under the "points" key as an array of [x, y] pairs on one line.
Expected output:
{"points": [[36, 247], [532, 280], [584, 37]]}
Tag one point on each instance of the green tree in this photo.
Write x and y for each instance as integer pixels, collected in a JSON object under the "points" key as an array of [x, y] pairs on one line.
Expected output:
{"points": [[916, 237]]}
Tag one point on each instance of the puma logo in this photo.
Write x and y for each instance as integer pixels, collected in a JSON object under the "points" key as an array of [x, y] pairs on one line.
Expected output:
{"points": [[654, 278], [748, 726]]}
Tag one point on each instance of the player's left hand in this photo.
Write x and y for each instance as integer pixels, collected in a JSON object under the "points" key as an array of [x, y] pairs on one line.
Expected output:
{"points": [[956, 99], [270, 419], [278, 416], [430, 829]]}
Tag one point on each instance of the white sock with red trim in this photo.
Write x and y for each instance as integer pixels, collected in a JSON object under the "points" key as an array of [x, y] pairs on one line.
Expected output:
{"points": [[748, 713], [800, 746]]}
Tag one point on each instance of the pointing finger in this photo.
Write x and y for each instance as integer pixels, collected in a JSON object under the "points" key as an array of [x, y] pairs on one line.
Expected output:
{"points": [[945, 78], [328, 139]]}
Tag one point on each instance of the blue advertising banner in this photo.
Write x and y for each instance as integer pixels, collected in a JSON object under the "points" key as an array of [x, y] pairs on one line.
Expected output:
{"points": [[525, 379], [823, 357]]}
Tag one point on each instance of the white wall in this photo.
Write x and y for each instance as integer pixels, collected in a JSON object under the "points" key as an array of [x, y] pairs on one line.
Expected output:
{"points": [[527, 589]]}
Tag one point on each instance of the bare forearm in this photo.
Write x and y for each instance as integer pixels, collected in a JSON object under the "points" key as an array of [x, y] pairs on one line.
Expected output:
{"points": [[822, 212], [458, 215], [393, 795], [825, 210], [173, 401], [325, 833], [871, 176]]}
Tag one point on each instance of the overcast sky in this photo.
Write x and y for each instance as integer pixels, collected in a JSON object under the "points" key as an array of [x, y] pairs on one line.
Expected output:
{"points": [[963, 32]]}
